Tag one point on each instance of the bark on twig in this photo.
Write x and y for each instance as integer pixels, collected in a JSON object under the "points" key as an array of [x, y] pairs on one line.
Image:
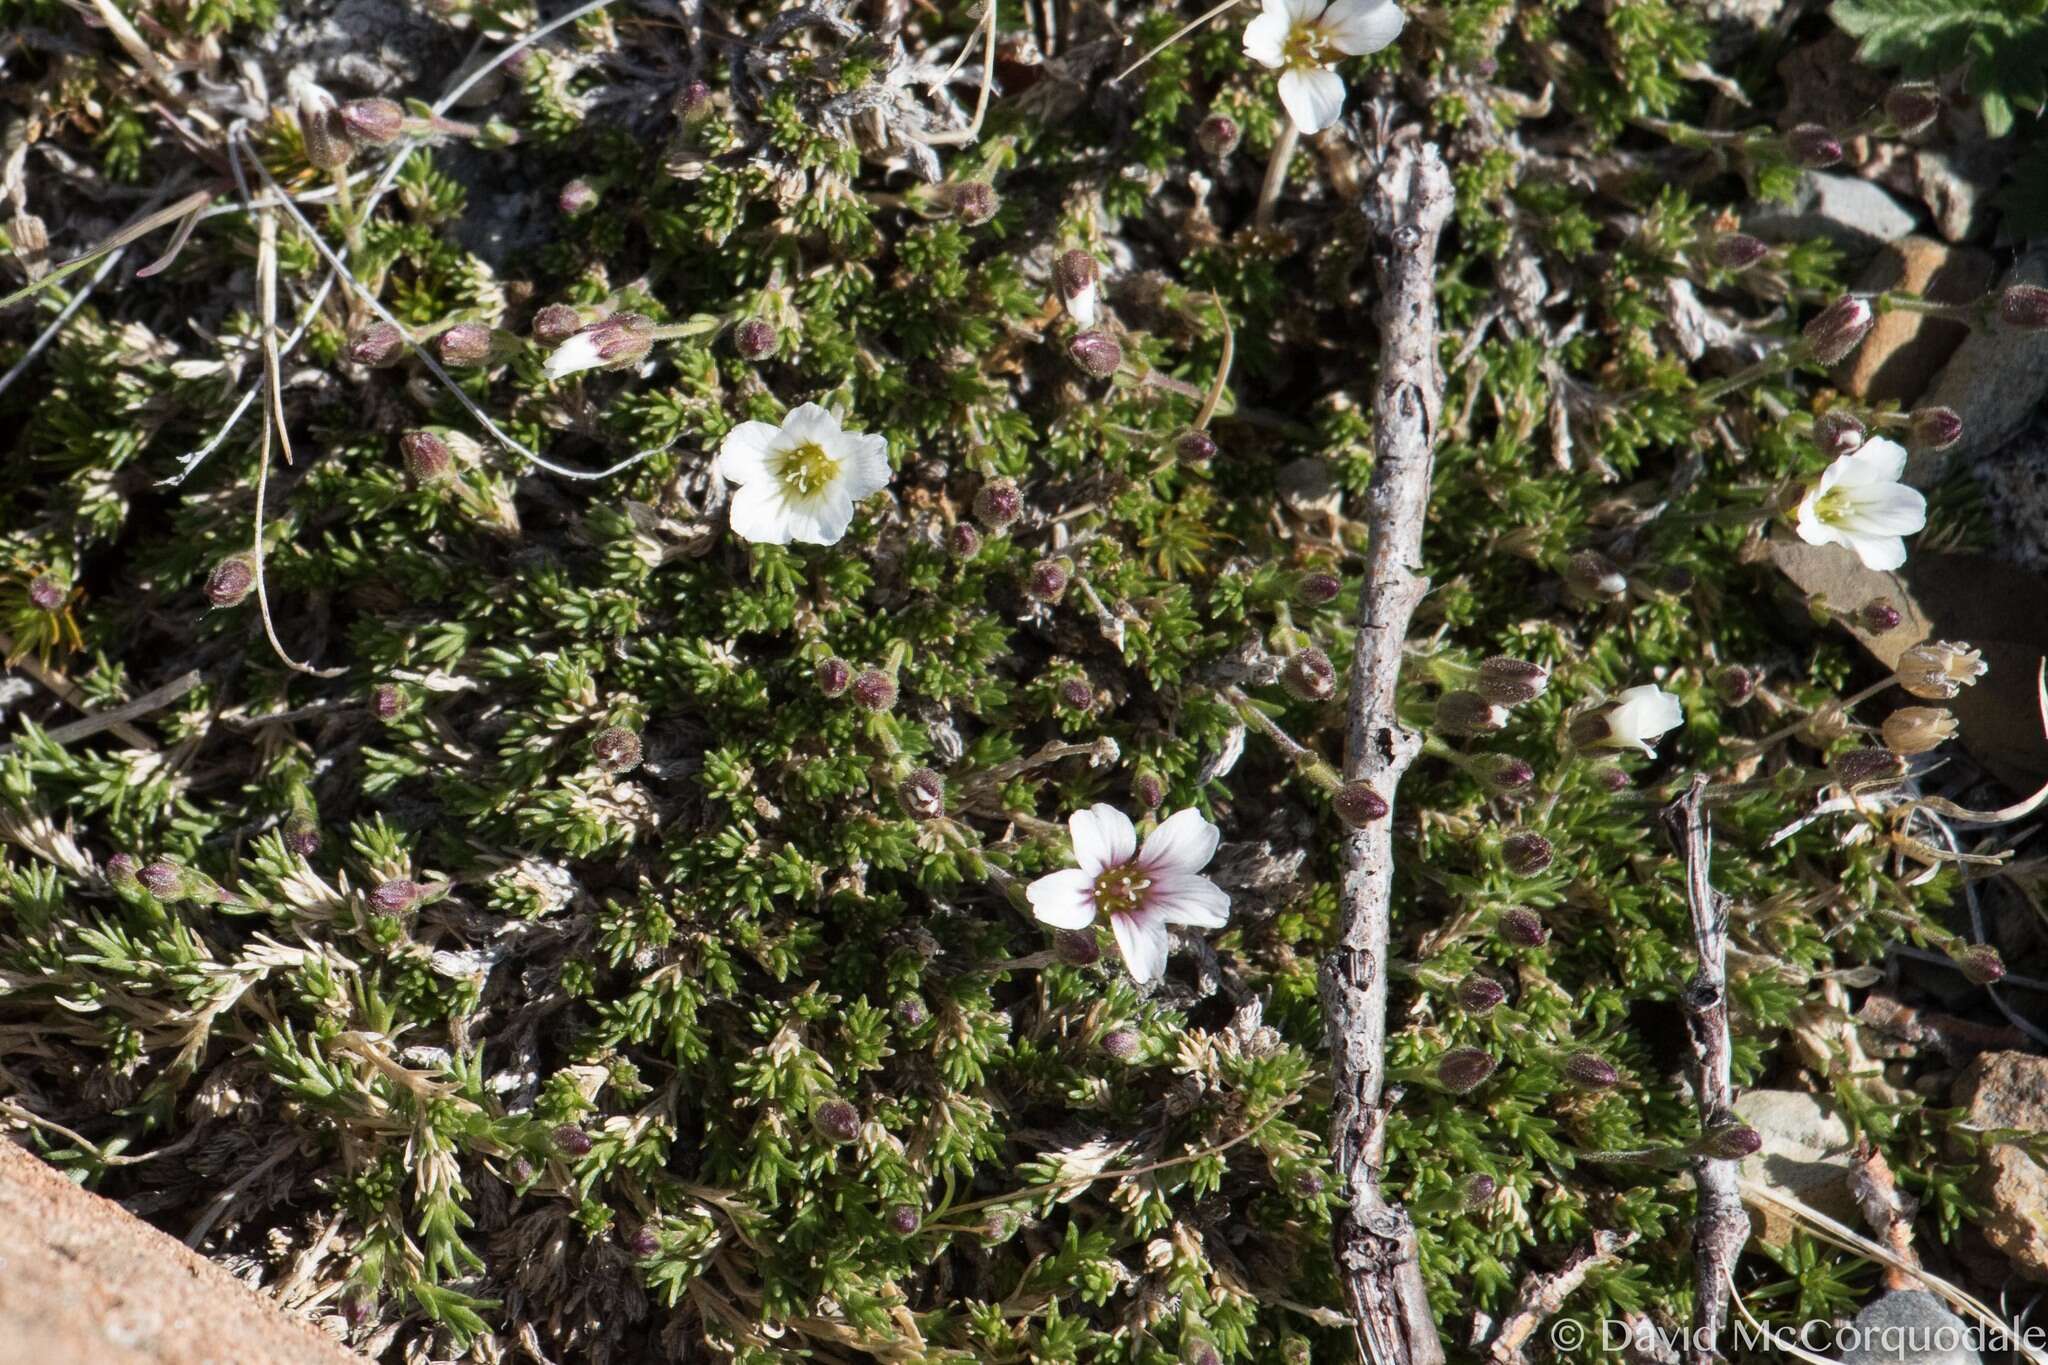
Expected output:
{"points": [[1542, 1296], [1375, 1241], [1720, 1226]]}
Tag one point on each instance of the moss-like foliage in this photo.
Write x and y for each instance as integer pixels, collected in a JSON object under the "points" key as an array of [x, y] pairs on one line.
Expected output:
{"points": [[500, 1027]]}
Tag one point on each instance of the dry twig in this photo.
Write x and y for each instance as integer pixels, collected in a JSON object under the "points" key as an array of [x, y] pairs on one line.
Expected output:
{"points": [[1375, 1241], [1542, 1296], [1720, 1227]]}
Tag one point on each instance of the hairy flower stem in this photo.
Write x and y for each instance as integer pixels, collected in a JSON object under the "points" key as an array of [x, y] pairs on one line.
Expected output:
{"points": [[1276, 174], [1306, 761], [1844, 706], [345, 209]]}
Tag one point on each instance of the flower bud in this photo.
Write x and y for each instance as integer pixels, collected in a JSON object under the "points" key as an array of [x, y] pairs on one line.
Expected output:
{"points": [[1077, 695], [1479, 1190], [1912, 107], [1838, 329], [693, 103], [1878, 615], [835, 1120], [1464, 1069], [1076, 947], [618, 340], [375, 346], [644, 1243], [576, 197], [164, 880], [1193, 447], [521, 1171], [1358, 805], [1097, 353], [834, 677], [1047, 581], [1916, 729], [465, 344], [1526, 853], [1593, 576], [998, 503], [754, 339], [973, 202], [964, 541], [386, 701], [904, 1220], [1318, 589], [231, 581], [1074, 279], [1591, 1071], [372, 122], [1477, 994], [1860, 769], [1309, 675], [1502, 774], [910, 1012], [427, 457], [555, 324], [1735, 684], [1838, 433], [1729, 1142], [1612, 778], [571, 1140], [1522, 928], [1738, 251], [1939, 670], [1122, 1044], [1218, 136], [874, 690], [1979, 963], [616, 749], [320, 128], [922, 795], [1933, 428], [1510, 682], [1149, 790], [1814, 147], [47, 594], [396, 896], [302, 837], [121, 870], [1468, 713], [2023, 305]]}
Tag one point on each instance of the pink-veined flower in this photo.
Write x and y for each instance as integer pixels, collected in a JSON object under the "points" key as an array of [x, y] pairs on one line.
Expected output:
{"points": [[1141, 890]]}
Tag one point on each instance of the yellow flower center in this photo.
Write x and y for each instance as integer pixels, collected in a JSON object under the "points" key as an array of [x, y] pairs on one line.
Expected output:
{"points": [[806, 470], [1830, 505], [1307, 47], [1120, 890]]}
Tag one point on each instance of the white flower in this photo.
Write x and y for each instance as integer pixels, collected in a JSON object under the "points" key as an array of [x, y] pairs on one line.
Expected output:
{"points": [[1141, 890], [1303, 38], [617, 340], [1859, 502], [799, 481], [1640, 715]]}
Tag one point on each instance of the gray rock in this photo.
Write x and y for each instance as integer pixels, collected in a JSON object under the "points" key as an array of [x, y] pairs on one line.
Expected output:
{"points": [[2015, 484], [1995, 382], [1854, 214], [1957, 183], [382, 47], [1806, 1155], [1736, 25], [1907, 1327]]}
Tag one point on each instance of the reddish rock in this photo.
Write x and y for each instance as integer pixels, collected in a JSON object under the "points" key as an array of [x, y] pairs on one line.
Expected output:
{"points": [[1904, 351], [2010, 1090]]}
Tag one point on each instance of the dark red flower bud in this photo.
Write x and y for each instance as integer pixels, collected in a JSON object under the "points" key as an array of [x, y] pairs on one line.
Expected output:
{"points": [[998, 503], [1358, 805], [302, 837], [1912, 107], [1814, 147], [121, 870], [1047, 581], [694, 102], [616, 749], [427, 457], [1838, 433], [1735, 684], [835, 1120], [576, 197], [834, 677], [1464, 1068], [904, 1220], [1979, 963], [1318, 589], [644, 1243], [1503, 774], [373, 122], [47, 594], [1839, 329], [1523, 928], [1218, 135], [164, 880], [1934, 428], [964, 541], [1122, 1044], [1738, 251], [1097, 353], [376, 346], [231, 580], [555, 324], [2023, 305], [1729, 1142], [874, 690], [1309, 675], [1479, 1191], [1591, 1071], [386, 701], [910, 1011], [1077, 695], [973, 202], [571, 1140], [464, 344], [1878, 615], [1477, 994], [1526, 853], [1859, 769], [396, 896], [1149, 790], [754, 339]]}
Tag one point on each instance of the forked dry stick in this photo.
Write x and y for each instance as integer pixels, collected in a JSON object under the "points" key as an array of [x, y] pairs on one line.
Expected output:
{"points": [[1375, 1241], [1720, 1226], [1542, 1295]]}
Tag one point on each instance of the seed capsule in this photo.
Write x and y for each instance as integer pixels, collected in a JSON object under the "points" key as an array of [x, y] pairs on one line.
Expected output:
{"points": [[616, 749], [1358, 805], [1916, 729], [1464, 1068], [1939, 670], [231, 581]]}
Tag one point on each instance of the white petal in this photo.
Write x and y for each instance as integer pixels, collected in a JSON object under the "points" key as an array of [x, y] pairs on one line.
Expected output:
{"points": [[1184, 842], [743, 455], [809, 423], [1065, 900], [1877, 460], [1885, 509], [761, 514], [1302, 11], [1881, 553], [1642, 714], [1314, 99], [863, 464], [1356, 27], [579, 352], [1103, 837], [1265, 39], [1081, 308], [1142, 940], [819, 520], [1807, 522], [1184, 898]]}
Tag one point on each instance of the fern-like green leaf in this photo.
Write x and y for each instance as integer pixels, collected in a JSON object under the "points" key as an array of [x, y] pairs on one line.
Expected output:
{"points": [[2003, 43]]}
